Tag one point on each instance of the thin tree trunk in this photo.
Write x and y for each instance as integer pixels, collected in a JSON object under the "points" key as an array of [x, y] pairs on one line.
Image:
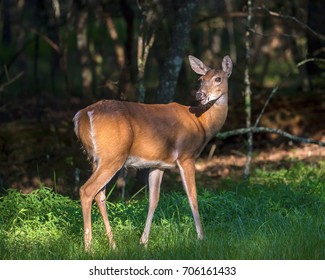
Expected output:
{"points": [[64, 65], [54, 14], [6, 25], [315, 44], [248, 93], [119, 51], [142, 61], [127, 77], [231, 32], [82, 45], [35, 70]]}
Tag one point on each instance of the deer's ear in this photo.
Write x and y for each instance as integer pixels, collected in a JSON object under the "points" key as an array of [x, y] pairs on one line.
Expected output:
{"points": [[198, 66], [227, 65]]}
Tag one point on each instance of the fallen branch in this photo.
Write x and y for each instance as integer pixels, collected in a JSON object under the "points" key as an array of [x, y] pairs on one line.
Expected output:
{"points": [[261, 129]]}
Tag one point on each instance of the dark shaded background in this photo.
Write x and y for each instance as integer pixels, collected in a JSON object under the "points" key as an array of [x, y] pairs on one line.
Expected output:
{"points": [[58, 56]]}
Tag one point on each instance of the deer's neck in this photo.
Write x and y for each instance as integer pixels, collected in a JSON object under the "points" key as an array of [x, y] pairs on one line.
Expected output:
{"points": [[213, 117]]}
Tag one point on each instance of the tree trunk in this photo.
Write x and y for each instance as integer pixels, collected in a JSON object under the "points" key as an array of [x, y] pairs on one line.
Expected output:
{"points": [[126, 82], [6, 25], [248, 93], [82, 45], [53, 30], [315, 21], [179, 38]]}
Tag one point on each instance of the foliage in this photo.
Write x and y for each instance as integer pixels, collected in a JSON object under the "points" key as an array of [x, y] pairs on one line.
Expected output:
{"points": [[276, 215]]}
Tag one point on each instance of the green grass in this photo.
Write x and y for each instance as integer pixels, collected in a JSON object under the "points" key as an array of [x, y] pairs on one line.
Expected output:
{"points": [[276, 215]]}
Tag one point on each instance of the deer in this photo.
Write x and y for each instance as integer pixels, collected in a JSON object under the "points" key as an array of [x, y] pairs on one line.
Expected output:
{"points": [[117, 134]]}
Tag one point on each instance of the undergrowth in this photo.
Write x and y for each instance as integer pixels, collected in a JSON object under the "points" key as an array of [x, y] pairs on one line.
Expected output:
{"points": [[275, 215]]}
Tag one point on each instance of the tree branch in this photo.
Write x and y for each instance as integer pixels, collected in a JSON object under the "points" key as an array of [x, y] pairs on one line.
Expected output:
{"points": [[48, 40], [294, 19], [309, 60], [265, 105], [261, 129], [10, 81]]}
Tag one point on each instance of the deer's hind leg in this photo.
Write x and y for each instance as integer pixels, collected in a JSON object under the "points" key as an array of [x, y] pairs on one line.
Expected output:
{"points": [[100, 199], [94, 188]]}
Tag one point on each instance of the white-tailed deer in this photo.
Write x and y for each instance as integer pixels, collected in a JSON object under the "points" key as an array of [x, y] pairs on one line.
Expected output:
{"points": [[159, 136]]}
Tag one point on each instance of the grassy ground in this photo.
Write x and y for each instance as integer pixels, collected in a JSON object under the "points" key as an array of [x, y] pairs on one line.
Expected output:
{"points": [[276, 215]]}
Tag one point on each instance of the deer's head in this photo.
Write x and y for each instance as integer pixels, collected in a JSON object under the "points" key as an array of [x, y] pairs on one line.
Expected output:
{"points": [[214, 82]]}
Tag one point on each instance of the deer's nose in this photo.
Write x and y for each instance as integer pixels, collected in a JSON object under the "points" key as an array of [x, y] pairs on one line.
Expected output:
{"points": [[199, 95]]}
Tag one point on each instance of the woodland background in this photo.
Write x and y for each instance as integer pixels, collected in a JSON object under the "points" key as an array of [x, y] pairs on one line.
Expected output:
{"points": [[59, 56]]}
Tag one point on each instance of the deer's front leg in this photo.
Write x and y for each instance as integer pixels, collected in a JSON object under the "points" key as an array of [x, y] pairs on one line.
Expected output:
{"points": [[187, 170], [155, 177]]}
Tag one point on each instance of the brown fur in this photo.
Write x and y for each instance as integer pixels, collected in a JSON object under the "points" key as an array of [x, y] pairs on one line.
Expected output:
{"points": [[159, 136]]}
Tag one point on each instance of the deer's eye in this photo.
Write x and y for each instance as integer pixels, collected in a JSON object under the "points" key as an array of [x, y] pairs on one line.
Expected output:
{"points": [[218, 79]]}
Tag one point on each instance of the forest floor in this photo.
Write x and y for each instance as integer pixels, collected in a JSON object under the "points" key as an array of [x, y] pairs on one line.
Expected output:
{"points": [[233, 163]]}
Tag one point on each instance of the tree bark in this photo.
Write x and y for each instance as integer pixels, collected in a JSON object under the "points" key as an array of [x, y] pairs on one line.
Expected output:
{"points": [[248, 93], [6, 25], [174, 59], [82, 45], [315, 44], [53, 30]]}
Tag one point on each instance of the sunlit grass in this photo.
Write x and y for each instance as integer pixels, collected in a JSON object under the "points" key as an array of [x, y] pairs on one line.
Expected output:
{"points": [[276, 215]]}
